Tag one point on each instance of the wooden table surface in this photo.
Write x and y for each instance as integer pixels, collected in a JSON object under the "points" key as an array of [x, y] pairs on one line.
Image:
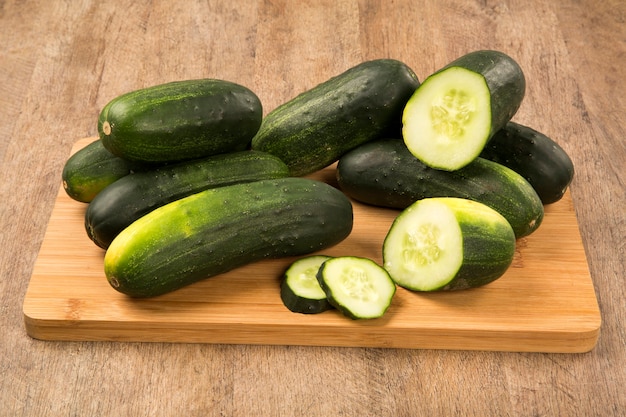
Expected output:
{"points": [[60, 62]]}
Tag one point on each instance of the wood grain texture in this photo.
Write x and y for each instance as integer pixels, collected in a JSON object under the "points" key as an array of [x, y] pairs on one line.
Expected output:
{"points": [[544, 303], [60, 62]]}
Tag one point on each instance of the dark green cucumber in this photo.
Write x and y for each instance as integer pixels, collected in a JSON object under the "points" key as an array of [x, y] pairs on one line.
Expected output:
{"points": [[133, 196], [92, 168], [220, 229], [180, 120], [535, 156], [448, 244], [358, 287], [314, 129], [384, 173], [300, 291], [456, 110]]}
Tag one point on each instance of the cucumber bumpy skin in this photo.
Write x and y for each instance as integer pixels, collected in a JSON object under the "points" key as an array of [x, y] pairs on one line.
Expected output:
{"points": [[312, 130], [535, 156], [217, 230], [455, 111], [91, 169], [385, 173], [448, 244], [135, 195], [180, 120]]}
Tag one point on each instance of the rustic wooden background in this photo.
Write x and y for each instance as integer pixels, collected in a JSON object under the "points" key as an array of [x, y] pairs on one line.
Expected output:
{"points": [[61, 61]]}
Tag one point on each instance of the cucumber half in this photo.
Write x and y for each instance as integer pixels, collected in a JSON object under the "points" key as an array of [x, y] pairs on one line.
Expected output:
{"points": [[455, 111], [358, 287], [300, 290], [446, 124], [448, 244]]}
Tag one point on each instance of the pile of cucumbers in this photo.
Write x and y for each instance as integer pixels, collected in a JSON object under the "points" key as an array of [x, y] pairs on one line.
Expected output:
{"points": [[189, 180]]}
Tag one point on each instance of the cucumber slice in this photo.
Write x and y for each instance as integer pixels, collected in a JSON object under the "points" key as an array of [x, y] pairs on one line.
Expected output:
{"points": [[358, 287], [300, 291], [448, 244], [452, 115]]}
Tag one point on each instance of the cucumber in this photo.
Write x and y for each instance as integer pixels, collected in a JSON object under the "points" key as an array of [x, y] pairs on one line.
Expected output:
{"points": [[535, 156], [314, 129], [220, 229], [180, 120], [133, 196], [448, 244], [300, 291], [358, 287], [453, 114], [384, 173], [92, 168]]}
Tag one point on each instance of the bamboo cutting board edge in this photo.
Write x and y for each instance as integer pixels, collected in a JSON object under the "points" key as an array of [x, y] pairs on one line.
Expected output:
{"points": [[525, 310]]}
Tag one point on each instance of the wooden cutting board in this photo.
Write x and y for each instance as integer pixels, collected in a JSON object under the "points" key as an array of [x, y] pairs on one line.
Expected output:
{"points": [[544, 303]]}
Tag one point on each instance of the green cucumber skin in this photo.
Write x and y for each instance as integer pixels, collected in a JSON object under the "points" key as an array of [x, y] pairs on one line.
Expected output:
{"points": [[488, 251], [180, 120], [314, 129], [535, 156], [220, 229], [300, 305], [91, 169], [384, 173], [133, 196], [505, 80]]}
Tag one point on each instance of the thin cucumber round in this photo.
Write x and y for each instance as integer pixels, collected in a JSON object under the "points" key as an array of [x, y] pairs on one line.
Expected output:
{"points": [[358, 287], [455, 111], [300, 290], [448, 244]]}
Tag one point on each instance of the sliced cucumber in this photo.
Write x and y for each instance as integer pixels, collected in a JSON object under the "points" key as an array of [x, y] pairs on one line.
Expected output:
{"points": [[448, 244], [300, 290], [455, 111], [358, 287]]}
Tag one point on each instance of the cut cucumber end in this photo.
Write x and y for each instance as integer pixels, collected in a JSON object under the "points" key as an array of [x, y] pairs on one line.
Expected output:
{"points": [[423, 250], [447, 121], [358, 287]]}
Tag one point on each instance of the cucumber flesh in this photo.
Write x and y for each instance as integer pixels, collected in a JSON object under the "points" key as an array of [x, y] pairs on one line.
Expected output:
{"points": [[358, 287], [300, 290], [424, 248], [447, 121]]}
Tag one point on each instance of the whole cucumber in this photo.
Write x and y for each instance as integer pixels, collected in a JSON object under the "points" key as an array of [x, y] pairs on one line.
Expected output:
{"points": [[217, 230], [314, 129], [134, 196], [180, 120], [535, 156], [385, 173]]}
